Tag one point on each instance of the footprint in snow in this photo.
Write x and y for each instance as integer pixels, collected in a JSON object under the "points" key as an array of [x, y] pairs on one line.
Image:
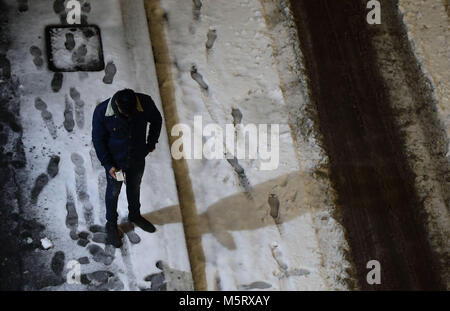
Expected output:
{"points": [[69, 122], [237, 116], [211, 38], [99, 237], [58, 6], [79, 55], [60, 9], [196, 9], [169, 279], [39, 184], [37, 54], [81, 188], [110, 72], [53, 166], [274, 205], [133, 237], [97, 228], [22, 5], [128, 228], [86, 7], [70, 42], [79, 107], [57, 82], [5, 67], [255, 285], [47, 117], [96, 165], [57, 264], [101, 194], [72, 216], [197, 77], [99, 255], [43, 179], [102, 280], [284, 271]]}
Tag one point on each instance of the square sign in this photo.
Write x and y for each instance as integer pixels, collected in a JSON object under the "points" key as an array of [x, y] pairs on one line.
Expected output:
{"points": [[74, 48]]}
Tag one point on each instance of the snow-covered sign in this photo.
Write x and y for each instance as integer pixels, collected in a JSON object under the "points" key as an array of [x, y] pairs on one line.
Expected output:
{"points": [[74, 48]]}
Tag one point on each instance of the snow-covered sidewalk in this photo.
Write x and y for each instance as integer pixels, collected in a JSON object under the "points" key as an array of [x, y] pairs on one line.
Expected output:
{"points": [[64, 179], [258, 227]]}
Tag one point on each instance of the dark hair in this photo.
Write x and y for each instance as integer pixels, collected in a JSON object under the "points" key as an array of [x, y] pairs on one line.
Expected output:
{"points": [[126, 99]]}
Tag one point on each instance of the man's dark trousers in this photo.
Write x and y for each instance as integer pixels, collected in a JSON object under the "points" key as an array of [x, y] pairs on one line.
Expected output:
{"points": [[133, 176]]}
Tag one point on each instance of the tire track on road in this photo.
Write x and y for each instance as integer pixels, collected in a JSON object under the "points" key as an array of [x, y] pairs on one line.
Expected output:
{"points": [[376, 196]]}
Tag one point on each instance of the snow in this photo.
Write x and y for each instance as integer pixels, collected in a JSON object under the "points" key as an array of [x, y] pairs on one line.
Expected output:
{"points": [[46, 243], [244, 62], [312, 158], [80, 178], [241, 242], [428, 32]]}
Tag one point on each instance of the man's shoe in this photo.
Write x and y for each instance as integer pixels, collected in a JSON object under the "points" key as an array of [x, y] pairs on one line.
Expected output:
{"points": [[142, 223], [113, 235]]}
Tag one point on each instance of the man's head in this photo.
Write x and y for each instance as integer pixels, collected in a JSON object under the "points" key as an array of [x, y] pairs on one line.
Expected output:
{"points": [[126, 102]]}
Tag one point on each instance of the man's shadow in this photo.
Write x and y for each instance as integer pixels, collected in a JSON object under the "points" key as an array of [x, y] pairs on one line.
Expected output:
{"points": [[271, 204]]}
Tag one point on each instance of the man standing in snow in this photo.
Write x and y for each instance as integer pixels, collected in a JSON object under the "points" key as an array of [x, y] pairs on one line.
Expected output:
{"points": [[119, 128]]}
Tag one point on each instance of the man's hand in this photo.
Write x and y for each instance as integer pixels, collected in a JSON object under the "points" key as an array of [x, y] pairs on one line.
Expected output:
{"points": [[112, 172], [150, 149]]}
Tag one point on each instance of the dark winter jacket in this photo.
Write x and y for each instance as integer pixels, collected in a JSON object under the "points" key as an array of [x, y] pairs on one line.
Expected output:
{"points": [[118, 141]]}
